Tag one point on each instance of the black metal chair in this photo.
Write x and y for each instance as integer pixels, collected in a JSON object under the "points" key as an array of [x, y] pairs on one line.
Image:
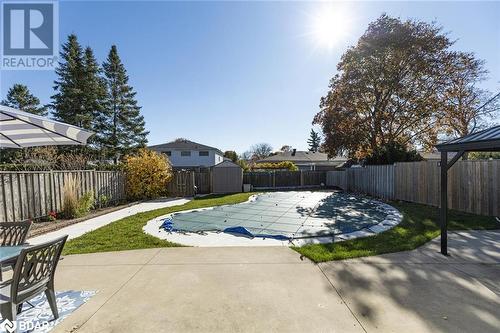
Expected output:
{"points": [[14, 233], [33, 274]]}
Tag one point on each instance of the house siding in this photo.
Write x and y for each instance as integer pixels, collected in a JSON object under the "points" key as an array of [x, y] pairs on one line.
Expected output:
{"points": [[195, 160]]}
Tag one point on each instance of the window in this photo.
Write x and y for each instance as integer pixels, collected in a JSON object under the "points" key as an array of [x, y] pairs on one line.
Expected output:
{"points": [[168, 153], [203, 153], [185, 153]]}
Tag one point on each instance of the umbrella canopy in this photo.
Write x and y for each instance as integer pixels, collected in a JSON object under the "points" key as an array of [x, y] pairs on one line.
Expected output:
{"points": [[20, 129]]}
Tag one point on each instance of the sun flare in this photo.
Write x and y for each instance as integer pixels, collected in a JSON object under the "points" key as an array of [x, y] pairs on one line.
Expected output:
{"points": [[330, 25]]}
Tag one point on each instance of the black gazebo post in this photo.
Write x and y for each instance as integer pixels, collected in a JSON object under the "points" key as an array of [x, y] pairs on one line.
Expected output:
{"points": [[487, 140], [445, 166]]}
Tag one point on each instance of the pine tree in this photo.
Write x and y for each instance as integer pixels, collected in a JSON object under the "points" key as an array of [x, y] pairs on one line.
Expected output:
{"points": [[94, 95], [67, 102], [19, 97], [314, 141], [124, 129]]}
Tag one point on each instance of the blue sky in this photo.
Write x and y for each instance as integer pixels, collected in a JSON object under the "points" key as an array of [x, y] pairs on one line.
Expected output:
{"points": [[231, 74]]}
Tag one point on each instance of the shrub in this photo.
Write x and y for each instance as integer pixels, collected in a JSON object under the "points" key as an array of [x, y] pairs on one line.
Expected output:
{"points": [[147, 173], [104, 200], [231, 154], [73, 161], [491, 155], [108, 167], [72, 206], [285, 165], [392, 153], [243, 164], [70, 197], [52, 216], [85, 204]]}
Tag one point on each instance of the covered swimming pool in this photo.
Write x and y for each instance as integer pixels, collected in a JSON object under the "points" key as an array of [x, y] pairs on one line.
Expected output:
{"points": [[288, 216]]}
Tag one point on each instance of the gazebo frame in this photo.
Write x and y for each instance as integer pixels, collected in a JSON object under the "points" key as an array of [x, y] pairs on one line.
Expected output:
{"points": [[484, 141]]}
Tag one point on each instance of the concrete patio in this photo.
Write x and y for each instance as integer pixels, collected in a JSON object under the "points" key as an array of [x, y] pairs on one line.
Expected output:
{"points": [[273, 289]]}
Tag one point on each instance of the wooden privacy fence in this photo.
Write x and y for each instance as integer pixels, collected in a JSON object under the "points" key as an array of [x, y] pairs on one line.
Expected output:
{"points": [[283, 179], [33, 194], [217, 180], [182, 184], [202, 181], [378, 179], [473, 186]]}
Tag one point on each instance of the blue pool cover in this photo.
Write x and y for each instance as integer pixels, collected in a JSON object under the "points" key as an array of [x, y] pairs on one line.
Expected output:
{"points": [[244, 232], [284, 216]]}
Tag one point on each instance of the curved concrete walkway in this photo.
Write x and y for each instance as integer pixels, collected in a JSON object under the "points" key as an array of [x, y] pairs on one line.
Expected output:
{"points": [[78, 229], [273, 289]]}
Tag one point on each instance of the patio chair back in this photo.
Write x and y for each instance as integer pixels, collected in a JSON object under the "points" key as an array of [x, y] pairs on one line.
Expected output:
{"points": [[35, 268], [14, 233]]}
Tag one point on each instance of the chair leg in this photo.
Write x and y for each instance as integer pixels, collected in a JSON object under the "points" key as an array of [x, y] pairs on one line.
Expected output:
{"points": [[8, 311], [51, 297], [19, 308]]}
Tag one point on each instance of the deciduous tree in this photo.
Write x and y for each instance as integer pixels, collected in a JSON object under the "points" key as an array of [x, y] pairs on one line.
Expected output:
{"points": [[466, 105], [231, 154], [261, 150], [388, 89], [286, 148]]}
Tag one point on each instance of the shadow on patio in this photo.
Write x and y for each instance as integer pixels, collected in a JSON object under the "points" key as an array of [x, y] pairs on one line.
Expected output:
{"points": [[424, 291]]}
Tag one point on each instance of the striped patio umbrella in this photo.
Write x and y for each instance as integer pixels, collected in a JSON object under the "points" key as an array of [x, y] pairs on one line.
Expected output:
{"points": [[20, 129]]}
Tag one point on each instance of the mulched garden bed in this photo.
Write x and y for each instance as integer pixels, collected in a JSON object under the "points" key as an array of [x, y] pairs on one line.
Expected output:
{"points": [[40, 228]]}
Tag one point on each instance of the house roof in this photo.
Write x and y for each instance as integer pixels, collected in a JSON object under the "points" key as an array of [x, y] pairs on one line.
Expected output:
{"points": [[486, 140], [301, 156], [184, 144], [227, 164], [434, 155]]}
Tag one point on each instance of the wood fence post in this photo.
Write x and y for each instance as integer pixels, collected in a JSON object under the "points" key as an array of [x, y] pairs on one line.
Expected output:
{"points": [[4, 201], [94, 188], [12, 198], [211, 180], [51, 191], [193, 183], [20, 193]]}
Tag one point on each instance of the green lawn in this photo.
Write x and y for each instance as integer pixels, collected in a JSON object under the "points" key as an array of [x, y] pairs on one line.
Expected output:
{"points": [[127, 234], [420, 224]]}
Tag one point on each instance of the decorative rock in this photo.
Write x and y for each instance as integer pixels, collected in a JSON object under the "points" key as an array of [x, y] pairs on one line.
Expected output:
{"points": [[356, 234], [379, 228]]}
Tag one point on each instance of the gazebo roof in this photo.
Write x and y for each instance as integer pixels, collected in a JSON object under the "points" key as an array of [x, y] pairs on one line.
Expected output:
{"points": [[486, 140]]}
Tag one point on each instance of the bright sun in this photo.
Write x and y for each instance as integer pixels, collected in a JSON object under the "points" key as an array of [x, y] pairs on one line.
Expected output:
{"points": [[330, 25]]}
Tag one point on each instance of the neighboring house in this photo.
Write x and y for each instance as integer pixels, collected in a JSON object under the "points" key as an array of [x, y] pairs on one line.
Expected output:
{"points": [[434, 155], [306, 160], [185, 154]]}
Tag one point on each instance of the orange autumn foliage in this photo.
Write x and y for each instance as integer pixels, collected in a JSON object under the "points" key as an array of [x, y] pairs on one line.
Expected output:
{"points": [[148, 174]]}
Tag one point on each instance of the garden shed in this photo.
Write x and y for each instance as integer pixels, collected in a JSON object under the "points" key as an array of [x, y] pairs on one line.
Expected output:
{"points": [[227, 177]]}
